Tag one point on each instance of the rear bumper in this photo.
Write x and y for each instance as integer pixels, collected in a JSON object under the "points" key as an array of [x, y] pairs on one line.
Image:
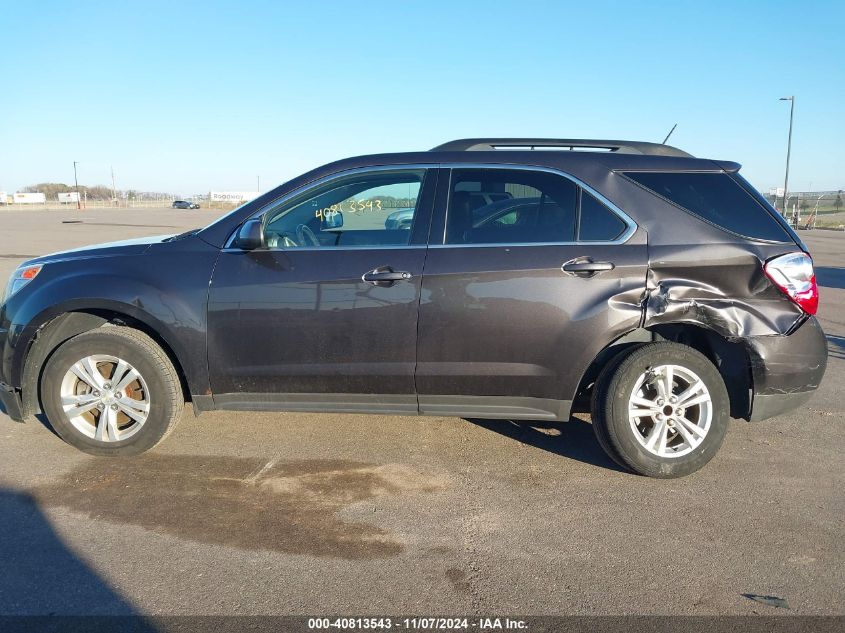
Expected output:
{"points": [[11, 401], [786, 369], [768, 406]]}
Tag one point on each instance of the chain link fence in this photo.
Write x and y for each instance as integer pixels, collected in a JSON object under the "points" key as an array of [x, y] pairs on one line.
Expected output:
{"points": [[812, 209]]}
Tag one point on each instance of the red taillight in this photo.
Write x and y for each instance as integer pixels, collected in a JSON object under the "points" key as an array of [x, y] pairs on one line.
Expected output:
{"points": [[794, 275]]}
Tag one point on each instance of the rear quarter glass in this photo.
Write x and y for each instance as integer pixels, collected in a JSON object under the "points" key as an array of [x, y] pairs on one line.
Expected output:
{"points": [[716, 198], [772, 211]]}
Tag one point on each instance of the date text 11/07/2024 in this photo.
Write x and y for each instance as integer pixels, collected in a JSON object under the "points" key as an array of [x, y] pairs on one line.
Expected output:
{"points": [[481, 624]]}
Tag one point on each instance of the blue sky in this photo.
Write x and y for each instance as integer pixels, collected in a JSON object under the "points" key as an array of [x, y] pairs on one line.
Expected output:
{"points": [[190, 96]]}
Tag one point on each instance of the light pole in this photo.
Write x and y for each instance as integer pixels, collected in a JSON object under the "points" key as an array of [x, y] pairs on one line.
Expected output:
{"points": [[788, 147], [76, 182], [258, 183]]}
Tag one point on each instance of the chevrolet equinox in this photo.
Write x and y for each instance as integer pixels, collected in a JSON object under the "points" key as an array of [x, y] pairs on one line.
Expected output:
{"points": [[484, 278]]}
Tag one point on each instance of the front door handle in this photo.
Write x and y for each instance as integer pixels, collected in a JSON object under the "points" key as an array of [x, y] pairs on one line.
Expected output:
{"points": [[586, 267], [385, 276]]}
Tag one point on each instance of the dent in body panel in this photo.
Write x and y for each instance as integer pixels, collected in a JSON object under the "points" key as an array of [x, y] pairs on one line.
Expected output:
{"points": [[722, 287], [789, 364], [725, 291]]}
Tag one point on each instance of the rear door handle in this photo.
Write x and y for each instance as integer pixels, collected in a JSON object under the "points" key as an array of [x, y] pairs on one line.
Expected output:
{"points": [[385, 276], [585, 267]]}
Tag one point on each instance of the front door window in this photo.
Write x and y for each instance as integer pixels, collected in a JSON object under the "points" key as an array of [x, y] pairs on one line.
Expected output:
{"points": [[362, 210]]}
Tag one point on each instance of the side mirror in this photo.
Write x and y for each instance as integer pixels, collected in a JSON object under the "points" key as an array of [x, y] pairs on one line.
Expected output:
{"points": [[332, 220], [250, 236]]}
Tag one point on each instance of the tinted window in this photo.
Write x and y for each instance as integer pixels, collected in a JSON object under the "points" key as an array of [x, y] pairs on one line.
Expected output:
{"points": [[370, 209], [504, 206], [598, 223], [715, 197]]}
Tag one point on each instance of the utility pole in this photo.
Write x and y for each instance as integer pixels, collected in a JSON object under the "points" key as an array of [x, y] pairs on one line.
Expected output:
{"points": [[113, 190], [258, 184], [788, 148], [76, 182]]}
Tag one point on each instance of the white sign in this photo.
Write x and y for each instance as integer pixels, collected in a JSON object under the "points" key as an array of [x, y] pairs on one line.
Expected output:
{"points": [[233, 196], [30, 198], [71, 196]]}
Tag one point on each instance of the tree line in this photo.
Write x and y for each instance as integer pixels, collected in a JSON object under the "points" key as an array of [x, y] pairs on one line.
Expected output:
{"points": [[52, 189]]}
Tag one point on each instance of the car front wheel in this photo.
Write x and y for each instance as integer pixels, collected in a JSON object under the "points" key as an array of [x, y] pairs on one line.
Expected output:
{"points": [[111, 391], [661, 410]]}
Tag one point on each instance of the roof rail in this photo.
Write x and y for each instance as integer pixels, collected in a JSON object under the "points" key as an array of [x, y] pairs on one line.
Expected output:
{"points": [[618, 147]]}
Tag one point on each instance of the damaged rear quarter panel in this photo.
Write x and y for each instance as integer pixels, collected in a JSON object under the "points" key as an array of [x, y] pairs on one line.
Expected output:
{"points": [[719, 286], [700, 273]]}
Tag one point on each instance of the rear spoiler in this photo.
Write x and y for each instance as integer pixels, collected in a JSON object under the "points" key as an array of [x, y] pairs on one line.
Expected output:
{"points": [[728, 166]]}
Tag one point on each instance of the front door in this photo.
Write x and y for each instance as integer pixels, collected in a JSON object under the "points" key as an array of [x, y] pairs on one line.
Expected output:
{"points": [[325, 317], [533, 277]]}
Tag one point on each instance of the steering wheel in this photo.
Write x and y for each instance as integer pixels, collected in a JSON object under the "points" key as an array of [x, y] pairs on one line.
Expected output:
{"points": [[303, 232], [280, 240]]}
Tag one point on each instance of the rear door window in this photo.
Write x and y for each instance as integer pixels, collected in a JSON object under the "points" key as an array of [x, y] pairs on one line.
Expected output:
{"points": [[510, 206], [716, 198]]}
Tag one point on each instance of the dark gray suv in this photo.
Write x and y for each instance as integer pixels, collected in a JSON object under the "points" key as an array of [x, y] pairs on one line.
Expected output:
{"points": [[485, 278]]}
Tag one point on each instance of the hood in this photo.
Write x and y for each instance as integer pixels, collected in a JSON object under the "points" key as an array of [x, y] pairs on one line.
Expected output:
{"points": [[108, 249]]}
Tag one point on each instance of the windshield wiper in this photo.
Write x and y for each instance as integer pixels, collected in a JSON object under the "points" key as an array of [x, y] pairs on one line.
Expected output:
{"points": [[173, 238]]}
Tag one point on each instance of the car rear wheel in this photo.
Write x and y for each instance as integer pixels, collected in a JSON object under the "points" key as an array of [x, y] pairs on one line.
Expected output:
{"points": [[661, 410], [111, 391]]}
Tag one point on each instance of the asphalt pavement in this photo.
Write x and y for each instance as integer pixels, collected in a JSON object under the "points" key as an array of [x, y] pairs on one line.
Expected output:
{"points": [[289, 513]]}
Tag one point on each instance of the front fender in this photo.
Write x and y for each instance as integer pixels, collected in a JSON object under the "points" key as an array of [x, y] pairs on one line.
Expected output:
{"points": [[163, 293]]}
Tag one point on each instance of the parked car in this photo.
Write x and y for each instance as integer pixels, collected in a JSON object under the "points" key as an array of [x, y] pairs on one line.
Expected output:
{"points": [[658, 290], [403, 218], [184, 204], [400, 219]]}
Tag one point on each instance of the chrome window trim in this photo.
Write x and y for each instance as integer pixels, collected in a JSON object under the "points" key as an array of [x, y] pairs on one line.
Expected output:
{"points": [[631, 226], [304, 189], [324, 249], [515, 244]]}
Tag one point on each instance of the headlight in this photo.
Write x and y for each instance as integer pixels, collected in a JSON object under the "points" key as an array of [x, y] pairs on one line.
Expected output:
{"points": [[19, 279]]}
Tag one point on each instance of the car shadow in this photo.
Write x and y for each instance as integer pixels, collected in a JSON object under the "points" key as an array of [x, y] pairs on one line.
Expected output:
{"points": [[42, 419], [573, 439], [830, 276], [44, 580], [836, 346]]}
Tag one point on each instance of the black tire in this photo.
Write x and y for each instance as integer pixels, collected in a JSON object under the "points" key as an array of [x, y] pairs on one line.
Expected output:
{"points": [[611, 423], [166, 400]]}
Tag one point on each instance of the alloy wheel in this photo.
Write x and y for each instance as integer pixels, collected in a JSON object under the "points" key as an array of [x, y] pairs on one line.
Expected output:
{"points": [[105, 398], [670, 410]]}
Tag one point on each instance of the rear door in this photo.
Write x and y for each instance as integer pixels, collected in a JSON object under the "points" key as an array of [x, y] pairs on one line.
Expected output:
{"points": [[529, 275]]}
